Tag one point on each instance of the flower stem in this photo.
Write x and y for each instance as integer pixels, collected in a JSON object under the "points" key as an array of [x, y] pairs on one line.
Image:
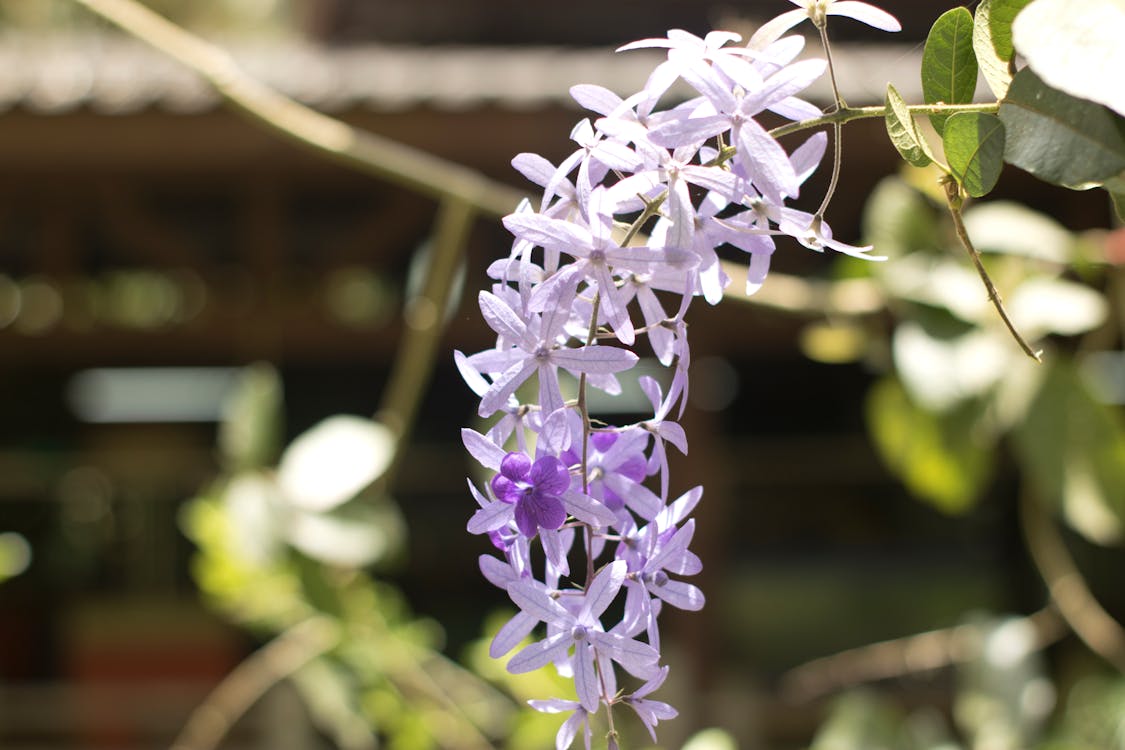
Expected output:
{"points": [[847, 114], [955, 201]]}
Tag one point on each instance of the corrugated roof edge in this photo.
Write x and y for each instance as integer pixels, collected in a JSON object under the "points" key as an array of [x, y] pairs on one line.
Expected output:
{"points": [[102, 73]]}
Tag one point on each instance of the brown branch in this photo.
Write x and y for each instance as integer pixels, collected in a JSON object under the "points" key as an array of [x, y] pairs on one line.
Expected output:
{"points": [[359, 149], [1066, 585], [250, 680], [900, 657], [424, 317], [954, 200]]}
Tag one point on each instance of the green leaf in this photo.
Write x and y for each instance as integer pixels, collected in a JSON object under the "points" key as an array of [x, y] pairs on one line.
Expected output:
{"points": [[1000, 17], [997, 72], [898, 219], [938, 458], [903, 131], [1118, 204], [252, 426], [949, 67], [1058, 138], [1076, 46], [1073, 448], [974, 146]]}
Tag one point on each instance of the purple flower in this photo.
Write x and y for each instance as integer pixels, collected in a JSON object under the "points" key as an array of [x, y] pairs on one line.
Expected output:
{"points": [[535, 489], [650, 712], [584, 633], [816, 10]]}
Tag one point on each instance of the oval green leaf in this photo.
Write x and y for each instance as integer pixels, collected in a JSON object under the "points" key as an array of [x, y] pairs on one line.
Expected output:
{"points": [[903, 131], [974, 147], [949, 66], [1000, 17], [1076, 46], [1058, 138], [939, 458], [997, 72]]}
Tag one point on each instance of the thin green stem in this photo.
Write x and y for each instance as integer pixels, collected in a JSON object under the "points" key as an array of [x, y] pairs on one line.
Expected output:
{"points": [[838, 101], [955, 201], [837, 149], [847, 114]]}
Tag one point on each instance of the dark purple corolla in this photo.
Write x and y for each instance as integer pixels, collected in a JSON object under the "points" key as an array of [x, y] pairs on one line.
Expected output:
{"points": [[535, 489]]}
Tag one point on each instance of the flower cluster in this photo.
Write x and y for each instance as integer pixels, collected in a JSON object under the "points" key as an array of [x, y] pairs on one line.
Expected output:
{"points": [[623, 238]]}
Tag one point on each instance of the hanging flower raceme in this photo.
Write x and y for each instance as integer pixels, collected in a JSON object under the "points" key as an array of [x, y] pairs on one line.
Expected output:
{"points": [[624, 236]]}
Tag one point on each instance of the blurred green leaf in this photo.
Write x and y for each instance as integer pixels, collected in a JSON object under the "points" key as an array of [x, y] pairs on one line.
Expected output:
{"points": [[903, 131], [859, 721], [949, 67], [1092, 716], [1076, 46], [250, 433], [1014, 229], [351, 537], [940, 373], [15, 555], [1043, 305], [711, 739], [974, 146], [938, 458], [1118, 205], [1000, 17], [333, 461], [898, 220], [1073, 448], [1058, 138], [997, 72]]}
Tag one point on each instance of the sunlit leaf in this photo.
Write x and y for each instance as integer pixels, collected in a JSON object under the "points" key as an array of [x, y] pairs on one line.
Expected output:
{"points": [[330, 463], [941, 373], [859, 721], [351, 539], [903, 131], [1014, 229], [949, 67], [897, 220], [1000, 17], [1076, 46], [974, 147], [996, 70], [250, 433], [1070, 443], [1058, 138], [940, 458], [711, 739], [1047, 305]]}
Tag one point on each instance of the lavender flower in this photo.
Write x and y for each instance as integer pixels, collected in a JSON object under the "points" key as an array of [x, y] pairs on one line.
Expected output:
{"points": [[582, 268]]}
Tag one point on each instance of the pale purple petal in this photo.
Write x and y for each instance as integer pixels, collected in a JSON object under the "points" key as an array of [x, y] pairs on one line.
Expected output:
{"points": [[772, 30], [504, 386], [587, 509], [864, 13], [502, 319], [585, 676], [540, 653], [510, 635], [639, 659], [547, 232], [601, 359], [489, 518], [538, 603], [595, 98], [482, 449], [602, 590], [680, 595]]}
